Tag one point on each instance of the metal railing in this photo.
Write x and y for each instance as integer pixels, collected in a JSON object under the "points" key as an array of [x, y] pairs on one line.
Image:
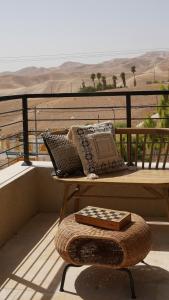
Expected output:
{"points": [[24, 110]]}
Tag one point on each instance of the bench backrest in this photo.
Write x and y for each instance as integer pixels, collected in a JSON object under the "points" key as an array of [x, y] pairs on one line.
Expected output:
{"points": [[146, 145]]}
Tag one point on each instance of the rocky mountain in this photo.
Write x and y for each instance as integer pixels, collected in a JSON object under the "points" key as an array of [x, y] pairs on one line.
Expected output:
{"points": [[152, 69], [68, 76]]}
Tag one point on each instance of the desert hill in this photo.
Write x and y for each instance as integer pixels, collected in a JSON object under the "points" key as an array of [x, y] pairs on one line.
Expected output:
{"points": [[68, 77]]}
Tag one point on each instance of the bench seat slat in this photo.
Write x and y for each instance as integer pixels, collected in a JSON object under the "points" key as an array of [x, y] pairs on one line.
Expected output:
{"points": [[141, 176], [136, 149], [144, 150], [166, 154], [159, 153]]}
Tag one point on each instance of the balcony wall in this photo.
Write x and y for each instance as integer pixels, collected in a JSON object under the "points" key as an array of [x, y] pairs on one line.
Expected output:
{"points": [[17, 199], [25, 191]]}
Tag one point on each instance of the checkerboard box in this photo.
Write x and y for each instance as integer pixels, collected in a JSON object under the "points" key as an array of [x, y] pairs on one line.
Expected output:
{"points": [[103, 217]]}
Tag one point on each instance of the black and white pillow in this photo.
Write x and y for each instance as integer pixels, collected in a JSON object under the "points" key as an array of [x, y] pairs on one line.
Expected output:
{"points": [[97, 148], [63, 154]]}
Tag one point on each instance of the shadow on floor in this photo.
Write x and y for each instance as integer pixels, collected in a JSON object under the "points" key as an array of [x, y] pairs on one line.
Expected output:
{"points": [[97, 284], [31, 241], [160, 234], [31, 269]]}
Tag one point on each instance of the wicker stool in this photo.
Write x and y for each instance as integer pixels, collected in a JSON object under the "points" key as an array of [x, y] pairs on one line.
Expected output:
{"points": [[80, 244]]}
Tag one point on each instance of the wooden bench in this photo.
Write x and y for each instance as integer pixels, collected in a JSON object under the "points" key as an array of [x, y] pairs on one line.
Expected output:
{"points": [[146, 150]]}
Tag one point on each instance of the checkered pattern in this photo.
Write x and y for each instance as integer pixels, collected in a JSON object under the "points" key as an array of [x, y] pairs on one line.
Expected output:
{"points": [[103, 214]]}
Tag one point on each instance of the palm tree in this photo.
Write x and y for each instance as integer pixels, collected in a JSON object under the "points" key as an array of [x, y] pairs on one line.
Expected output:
{"points": [[133, 70], [114, 77], [83, 84], [99, 75], [93, 76], [104, 81], [123, 77]]}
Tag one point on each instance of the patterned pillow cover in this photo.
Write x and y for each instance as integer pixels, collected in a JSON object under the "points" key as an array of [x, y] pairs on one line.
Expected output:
{"points": [[97, 148], [63, 154]]}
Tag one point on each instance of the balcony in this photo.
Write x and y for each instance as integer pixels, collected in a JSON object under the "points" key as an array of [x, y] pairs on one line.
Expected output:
{"points": [[31, 267]]}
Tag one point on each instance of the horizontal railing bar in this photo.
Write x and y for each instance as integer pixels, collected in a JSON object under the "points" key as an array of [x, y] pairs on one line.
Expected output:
{"points": [[142, 130], [145, 118], [74, 119], [30, 153], [39, 154], [8, 137], [10, 111], [47, 154], [11, 97], [34, 131], [11, 161], [40, 131], [118, 143], [100, 94], [34, 143], [96, 108], [4, 151], [95, 119], [93, 94], [151, 105], [36, 154], [79, 108], [13, 123]]}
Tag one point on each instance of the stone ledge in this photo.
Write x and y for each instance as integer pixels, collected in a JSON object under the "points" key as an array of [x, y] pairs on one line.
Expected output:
{"points": [[17, 170]]}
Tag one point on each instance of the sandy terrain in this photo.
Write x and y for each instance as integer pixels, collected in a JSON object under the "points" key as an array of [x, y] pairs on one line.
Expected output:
{"points": [[67, 78]]}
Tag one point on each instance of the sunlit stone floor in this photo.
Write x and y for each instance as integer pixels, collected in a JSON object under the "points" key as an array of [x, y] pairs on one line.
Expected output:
{"points": [[30, 268]]}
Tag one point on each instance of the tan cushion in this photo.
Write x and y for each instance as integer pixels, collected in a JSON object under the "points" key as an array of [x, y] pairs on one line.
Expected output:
{"points": [[96, 147]]}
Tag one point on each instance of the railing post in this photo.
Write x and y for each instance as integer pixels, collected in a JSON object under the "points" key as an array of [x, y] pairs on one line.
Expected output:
{"points": [[128, 110], [25, 130], [128, 117], [36, 139]]}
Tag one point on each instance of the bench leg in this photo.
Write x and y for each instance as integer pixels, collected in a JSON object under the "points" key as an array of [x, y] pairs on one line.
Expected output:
{"points": [[64, 204], [66, 199], [167, 203], [76, 204], [82, 192]]}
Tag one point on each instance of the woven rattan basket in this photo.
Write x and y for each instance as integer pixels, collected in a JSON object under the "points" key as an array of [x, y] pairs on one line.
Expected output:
{"points": [[81, 244]]}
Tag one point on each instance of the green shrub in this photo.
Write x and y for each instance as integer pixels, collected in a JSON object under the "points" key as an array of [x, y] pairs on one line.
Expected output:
{"points": [[149, 123], [87, 89], [121, 124]]}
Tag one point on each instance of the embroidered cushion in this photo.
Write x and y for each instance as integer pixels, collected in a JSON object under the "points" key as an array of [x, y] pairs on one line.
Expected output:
{"points": [[63, 154], [96, 147]]}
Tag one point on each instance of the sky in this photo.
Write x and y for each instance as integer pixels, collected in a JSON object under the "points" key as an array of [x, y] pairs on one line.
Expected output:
{"points": [[47, 33]]}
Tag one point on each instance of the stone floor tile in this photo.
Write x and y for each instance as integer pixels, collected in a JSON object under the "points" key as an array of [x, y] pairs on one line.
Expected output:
{"points": [[31, 268]]}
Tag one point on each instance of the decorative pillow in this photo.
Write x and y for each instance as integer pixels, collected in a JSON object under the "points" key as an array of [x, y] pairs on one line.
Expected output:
{"points": [[97, 148], [76, 131], [63, 154]]}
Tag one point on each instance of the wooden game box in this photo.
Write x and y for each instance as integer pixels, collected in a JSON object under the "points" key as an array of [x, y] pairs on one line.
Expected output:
{"points": [[103, 217]]}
